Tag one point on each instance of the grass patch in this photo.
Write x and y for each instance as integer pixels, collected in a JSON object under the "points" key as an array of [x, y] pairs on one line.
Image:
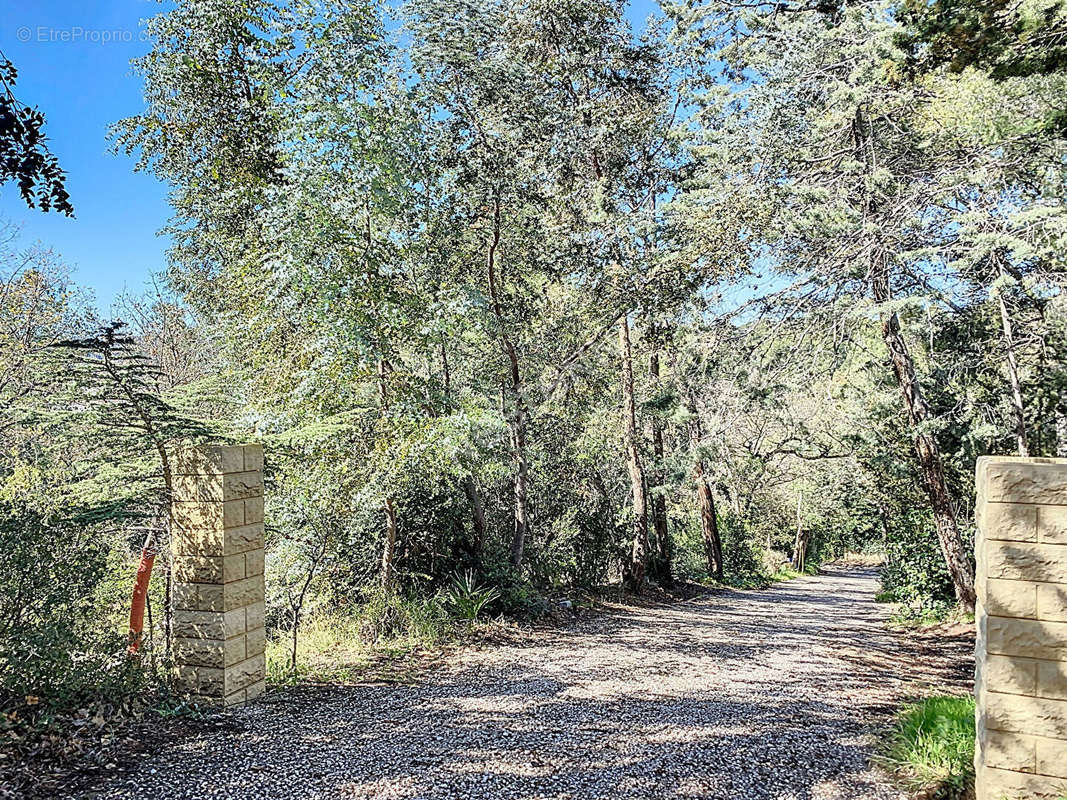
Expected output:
{"points": [[784, 574], [329, 649], [931, 748], [386, 637], [787, 573], [383, 638], [929, 615]]}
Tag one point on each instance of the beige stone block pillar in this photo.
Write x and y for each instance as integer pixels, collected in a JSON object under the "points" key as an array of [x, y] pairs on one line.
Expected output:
{"points": [[1021, 676], [217, 548]]}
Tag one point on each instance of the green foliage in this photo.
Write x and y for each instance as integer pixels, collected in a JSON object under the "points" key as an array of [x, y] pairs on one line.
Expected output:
{"points": [[392, 620], [81, 482], [59, 641], [466, 598], [1008, 40], [359, 642], [742, 551], [915, 574], [931, 747], [689, 563], [24, 154], [400, 252], [518, 597]]}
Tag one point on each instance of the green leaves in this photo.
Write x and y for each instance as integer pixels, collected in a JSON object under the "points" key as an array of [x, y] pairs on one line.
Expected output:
{"points": [[24, 154]]}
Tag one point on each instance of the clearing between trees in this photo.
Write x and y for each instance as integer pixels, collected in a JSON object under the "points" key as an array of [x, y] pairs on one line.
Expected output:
{"points": [[772, 694]]}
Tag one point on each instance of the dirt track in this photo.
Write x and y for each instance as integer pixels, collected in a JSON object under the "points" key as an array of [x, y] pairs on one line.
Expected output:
{"points": [[767, 695]]}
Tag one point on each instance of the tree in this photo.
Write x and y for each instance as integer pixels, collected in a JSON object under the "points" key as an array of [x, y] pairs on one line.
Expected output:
{"points": [[1005, 39], [634, 570]]}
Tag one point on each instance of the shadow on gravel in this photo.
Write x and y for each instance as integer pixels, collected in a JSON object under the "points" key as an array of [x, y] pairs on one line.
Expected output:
{"points": [[778, 690], [631, 748]]}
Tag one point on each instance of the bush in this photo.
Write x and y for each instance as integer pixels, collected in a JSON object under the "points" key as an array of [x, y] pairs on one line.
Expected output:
{"points": [[742, 553], [467, 599], [931, 747], [55, 644], [518, 598], [689, 562], [915, 572]]}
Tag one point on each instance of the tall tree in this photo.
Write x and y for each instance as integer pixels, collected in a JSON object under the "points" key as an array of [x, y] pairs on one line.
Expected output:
{"points": [[635, 568]]}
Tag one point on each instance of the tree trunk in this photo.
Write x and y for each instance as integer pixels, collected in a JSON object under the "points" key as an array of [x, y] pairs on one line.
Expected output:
{"points": [[800, 543], [522, 477], [926, 447], [389, 551], [662, 561], [1018, 409], [388, 576], [517, 417], [634, 574], [477, 517], [709, 522], [800, 550], [1061, 429], [797, 538], [883, 519], [709, 518]]}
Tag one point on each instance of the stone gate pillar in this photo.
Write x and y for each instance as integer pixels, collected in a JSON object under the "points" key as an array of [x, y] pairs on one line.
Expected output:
{"points": [[217, 549], [1021, 676]]}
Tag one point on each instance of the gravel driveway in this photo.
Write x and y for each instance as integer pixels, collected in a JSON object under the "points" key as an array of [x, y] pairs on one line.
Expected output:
{"points": [[737, 695]]}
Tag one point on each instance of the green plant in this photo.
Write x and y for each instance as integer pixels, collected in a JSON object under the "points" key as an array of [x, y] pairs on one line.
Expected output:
{"points": [[389, 619], [787, 573], [330, 648], [920, 614], [341, 645], [466, 598], [59, 640], [931, 747]]}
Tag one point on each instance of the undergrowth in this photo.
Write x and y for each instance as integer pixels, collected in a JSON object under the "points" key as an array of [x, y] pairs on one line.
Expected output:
{"points": [[386, 636], [346, 645], [927, 615], [930, 748]]}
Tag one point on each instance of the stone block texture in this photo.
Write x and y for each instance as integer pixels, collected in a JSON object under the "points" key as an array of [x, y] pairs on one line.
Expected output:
{"points": [[1021, 677], [217, 548]]}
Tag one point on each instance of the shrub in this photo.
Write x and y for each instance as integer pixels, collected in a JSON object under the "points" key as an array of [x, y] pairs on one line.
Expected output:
{"points": [[466, 598], [742, 554], [518, 598], [915, 571], [55, 644]]}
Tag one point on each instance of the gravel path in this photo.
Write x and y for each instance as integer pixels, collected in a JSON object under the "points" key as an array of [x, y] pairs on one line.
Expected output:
{"points": [[766, 695]]}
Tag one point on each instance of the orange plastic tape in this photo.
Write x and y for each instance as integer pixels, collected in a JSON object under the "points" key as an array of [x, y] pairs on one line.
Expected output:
{"points": [[140, 593]]}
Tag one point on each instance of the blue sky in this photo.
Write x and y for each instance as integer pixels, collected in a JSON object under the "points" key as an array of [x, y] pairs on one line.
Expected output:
{"points": [[73, 62], [73, 58]]}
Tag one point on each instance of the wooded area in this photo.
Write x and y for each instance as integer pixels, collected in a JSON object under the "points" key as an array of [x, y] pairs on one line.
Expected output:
{"points": [[521, 302]]}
